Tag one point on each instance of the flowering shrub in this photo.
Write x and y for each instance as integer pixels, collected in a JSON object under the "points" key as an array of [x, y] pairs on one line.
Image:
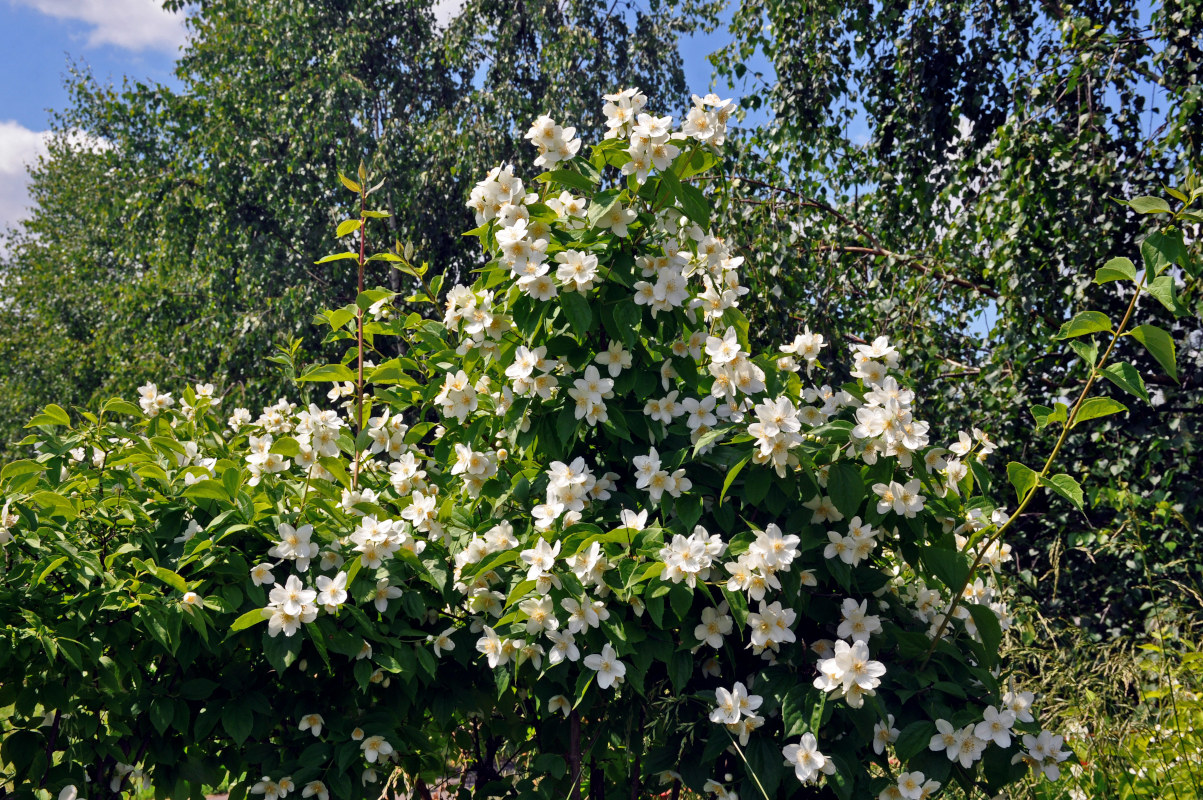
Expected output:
{"points": [[576, 536]]}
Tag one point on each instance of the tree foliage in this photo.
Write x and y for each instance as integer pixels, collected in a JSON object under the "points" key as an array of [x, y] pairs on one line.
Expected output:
{"points": [[182, 245], [949, 171]]}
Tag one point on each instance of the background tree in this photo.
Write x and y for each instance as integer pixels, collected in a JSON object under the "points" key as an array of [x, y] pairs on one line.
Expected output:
{"points": [[200, 213], [935, 167]]}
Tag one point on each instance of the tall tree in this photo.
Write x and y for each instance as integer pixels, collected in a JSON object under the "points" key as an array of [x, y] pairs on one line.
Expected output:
{"points": [[183, 248], [943, 172]]}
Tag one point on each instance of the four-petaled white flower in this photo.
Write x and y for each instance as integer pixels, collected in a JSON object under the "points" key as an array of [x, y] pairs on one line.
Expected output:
{"points": [[609, 669]]}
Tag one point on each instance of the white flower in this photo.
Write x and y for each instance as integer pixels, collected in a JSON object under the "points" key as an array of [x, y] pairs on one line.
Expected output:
{"points": [[312, 723], [850, 672], [560, 703], [383, 594], [332, 592], [375, 747], [857, 624], [914, 786], [884, 733], [807, 761], [614, 358], [733, 704], [540, 559], [996, 726], [316, 789], [607, 666], [714, 626]]}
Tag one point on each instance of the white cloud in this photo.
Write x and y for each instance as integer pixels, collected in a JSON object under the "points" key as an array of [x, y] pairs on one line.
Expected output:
{"points": [[19, 147], [131, 24]]}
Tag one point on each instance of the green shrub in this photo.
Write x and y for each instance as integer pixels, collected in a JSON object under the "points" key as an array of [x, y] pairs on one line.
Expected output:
{"points": [[577, 537]]}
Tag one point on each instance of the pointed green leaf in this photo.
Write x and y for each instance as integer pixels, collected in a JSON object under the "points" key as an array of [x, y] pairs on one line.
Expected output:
{"points": [[1046, 416], [950, 566], [1085, 323], [1149, 205], [118, 406], [1023, 478], [1115, 270], [846, 487], [350, 184], [1160, 345], [238, 719], [1066, 486], [567, 177], [1125, 376], [989, 629], [249, 619], [337, 257], [23, 466], [1097, 407], [51, 415], [1087, 350], [347, 226], [694, 204], [328, 372], [1163, 249], [731, 475], [1165, 289], [576, 309]]}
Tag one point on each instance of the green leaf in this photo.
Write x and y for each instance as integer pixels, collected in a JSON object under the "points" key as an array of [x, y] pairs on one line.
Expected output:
{"points": [[1165, 289], [247, 620], [550, 764], [350, 184], [208, 490], [694, 204], [1046, 416], [708, 438], [119, 406], [51, 415], [989, 629], [172, 579], [1097, 407], [238, 719], [576, 309], [1087, 350], [21, 467], [347, 226], [680, 667], [1160, 345], [338, 257], [57, 504], [913, 740], [161, 714], [328, 372], [1125, 376], [1023, 478], [950, 566], [846, 487], [1114, 270], [1085, 323], [1163, 249], [680, 597], [1066, 486], [1149, 205], [627, 317], [197, 688], [567, 177]]}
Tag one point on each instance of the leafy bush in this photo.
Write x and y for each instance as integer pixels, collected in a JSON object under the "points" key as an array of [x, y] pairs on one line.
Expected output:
{"points": [[576, 537]]}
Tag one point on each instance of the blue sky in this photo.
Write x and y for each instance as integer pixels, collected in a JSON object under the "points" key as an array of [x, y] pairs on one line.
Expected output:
{"points": [[38, 41]]}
